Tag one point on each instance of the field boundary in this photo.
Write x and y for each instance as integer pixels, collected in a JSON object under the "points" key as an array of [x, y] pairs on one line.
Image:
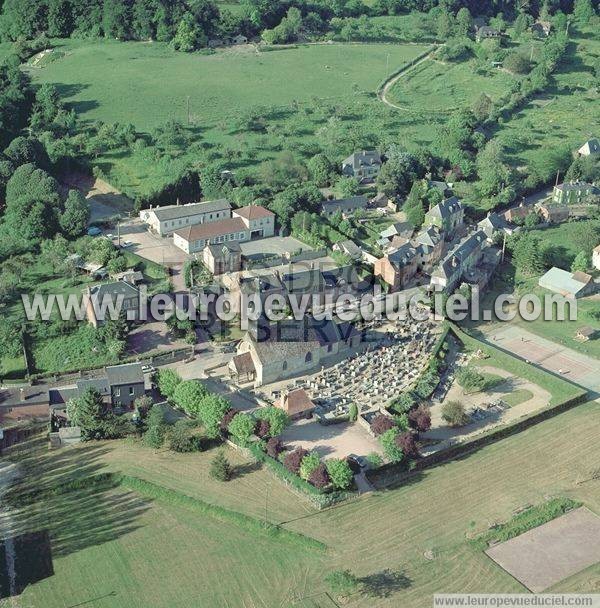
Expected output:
{"points": [[393, 475]]}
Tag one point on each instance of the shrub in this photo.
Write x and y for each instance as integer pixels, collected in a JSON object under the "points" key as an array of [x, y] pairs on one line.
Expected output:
{"points": [[309, 463], [392, 451], [276, 418], [374, 460], [220, 468], [420, 418], [453, 412], [293, 460], [381, 423], [143, 405], [182, 440], [342, 582], [228, 417], [353, 412], [262, 429], [319, 477], [407, 443], [403, 403], [241, 428], [340, 473], [274, 447], [470, 379]]}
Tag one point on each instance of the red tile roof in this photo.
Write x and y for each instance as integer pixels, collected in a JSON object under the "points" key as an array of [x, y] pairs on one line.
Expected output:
{"points": [[210, 230], [253, 212], [296, 402]]}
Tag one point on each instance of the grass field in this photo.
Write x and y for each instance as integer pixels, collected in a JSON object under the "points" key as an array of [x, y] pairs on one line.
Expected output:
{"points": [[445, 87], [121, 550]]}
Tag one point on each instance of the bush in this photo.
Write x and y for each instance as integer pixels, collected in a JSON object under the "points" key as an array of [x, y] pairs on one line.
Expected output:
{"points": [[374, 460], [353, 412], [293, 460], [188, 395], [274, 447], [391, 449], [241, 428], [517, 64], [220, 468], [340, 473], [420, 418], [309, 463], [182, 440], [262, 429], [276, 418], [403, 403], [319, 476], [228, 417], [470, 379], [381, 424], [342, 582], [453, 412]]}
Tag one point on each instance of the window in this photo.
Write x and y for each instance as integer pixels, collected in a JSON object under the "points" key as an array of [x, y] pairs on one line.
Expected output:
{"points": [[308, 358], [284, 366], [131, 391], [117, 392]]}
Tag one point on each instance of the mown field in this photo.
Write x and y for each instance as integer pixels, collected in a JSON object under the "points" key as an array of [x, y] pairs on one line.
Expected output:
{"points": [[118, 549]]}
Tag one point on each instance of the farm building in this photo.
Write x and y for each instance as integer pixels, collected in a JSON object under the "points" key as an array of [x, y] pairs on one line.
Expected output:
{"points": [[568, 284]]}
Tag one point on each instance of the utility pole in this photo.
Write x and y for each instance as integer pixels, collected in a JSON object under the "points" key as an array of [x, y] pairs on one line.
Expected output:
{"points": [[531, 57], [118, 234], [557, 174], [503, 246]]}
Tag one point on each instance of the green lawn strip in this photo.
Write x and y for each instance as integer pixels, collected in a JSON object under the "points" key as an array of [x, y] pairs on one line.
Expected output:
{"points": [[517, 397], [154, 491], [561, 390], [528, 519]]}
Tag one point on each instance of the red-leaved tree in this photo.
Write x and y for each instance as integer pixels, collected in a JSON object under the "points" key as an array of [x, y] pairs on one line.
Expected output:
{"points": [[262, 428], [407, 443], [274, 447], [420, 418], [228, 417], [293, 459], [319, 477], [381, 424]]}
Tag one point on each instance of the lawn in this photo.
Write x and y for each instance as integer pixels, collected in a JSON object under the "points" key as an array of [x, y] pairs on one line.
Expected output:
{"points": [[444, 87], [146, 552]]}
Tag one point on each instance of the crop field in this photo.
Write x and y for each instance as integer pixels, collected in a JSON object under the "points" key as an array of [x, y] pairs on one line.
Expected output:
{"points": [[444, 87], [405, 544]]}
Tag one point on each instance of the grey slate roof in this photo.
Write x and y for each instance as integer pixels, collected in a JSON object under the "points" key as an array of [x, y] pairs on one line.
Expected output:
{"points": [[493, 220], [453, 261], [402, 256], [362, 159], [130, 373], [591, 146], [173, 212], [115, 289], [446, 208], [353, 203], [219, 249], [99, 384], [429, 237]]}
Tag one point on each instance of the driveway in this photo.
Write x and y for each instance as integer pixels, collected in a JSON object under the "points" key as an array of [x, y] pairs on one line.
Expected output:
{"points": [[275, 245], [331, 441], [151, 336]]}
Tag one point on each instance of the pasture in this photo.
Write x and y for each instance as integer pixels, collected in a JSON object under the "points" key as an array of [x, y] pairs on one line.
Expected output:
{"points": [[405, 544]]}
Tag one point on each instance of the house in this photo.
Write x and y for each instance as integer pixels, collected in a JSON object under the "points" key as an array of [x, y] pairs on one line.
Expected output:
{"points": [[485, 31], [381, 200], [572, 193], [596, 257], [554, 214], [345, 206], [585, 333], [296, 404], [118, 296], [166, 220], [493, 224], [568, 284], [23, 411], [541, 29], [195, 238], [402, 229], [349, 248], [429, 244], [222, 258], [447, 216], [119, 386], [295, 348], [516, 214], [398, 267], [464, 257], [590, 148], [259, 221], [131, 276], [364, 165]]}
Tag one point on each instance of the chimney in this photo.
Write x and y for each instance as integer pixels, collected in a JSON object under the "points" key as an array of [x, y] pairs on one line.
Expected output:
{"points": [[454, 262], [22, 394]]}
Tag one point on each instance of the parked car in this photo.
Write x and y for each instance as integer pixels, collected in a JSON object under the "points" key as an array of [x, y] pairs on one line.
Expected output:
{"points": [[125, 244], [94, 231], [148, 369], [360, 461]]}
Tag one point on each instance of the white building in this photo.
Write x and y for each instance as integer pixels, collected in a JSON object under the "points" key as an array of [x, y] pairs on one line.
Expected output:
{"points": [[259, 221], [168, 219], [195, 238]]}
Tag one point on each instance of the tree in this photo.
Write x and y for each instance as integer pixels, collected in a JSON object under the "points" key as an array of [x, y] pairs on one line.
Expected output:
{"points": [[293, 460], [495, 175], [583, 11], [274, 447], [95, 419], [517, 63], [276, 418], [342, 582], [241, 428], [309, 463], [413, 206], [408, 444], [420, 418], [464, 22], [581, 262], [182, 440], [391, 449], [188, 395], [482, 107], [211, 411], [319, 477], [403, 403], [470, 379], [381, 423], [227, 418], [156, 423], [531, 220], [399, 172], [353, 412], [220, 468], [27, 150], [76, 214], [320, 169], [142, 405], [167, 380], [340, 473], [11, 339], [527, 253], [262, 429], [444, 25], [453, 412]]}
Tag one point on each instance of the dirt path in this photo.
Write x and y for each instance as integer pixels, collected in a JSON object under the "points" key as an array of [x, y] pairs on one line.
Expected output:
{"points": [[383, 93]]}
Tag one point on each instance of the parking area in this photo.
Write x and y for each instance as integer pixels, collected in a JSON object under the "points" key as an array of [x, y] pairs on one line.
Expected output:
{"points": [[332, 440], [552, 552], [151, 246], [272, 246], [151, 336]]}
